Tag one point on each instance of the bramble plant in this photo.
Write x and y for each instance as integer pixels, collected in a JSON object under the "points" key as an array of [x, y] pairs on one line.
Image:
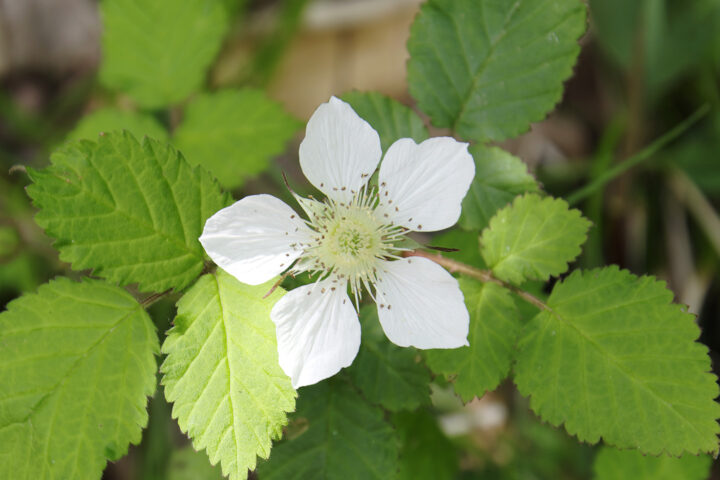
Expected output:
{"points": [[146, 214]]}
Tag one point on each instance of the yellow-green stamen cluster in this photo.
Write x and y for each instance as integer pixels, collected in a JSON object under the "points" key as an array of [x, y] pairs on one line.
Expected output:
{"points": [[348, 240]]}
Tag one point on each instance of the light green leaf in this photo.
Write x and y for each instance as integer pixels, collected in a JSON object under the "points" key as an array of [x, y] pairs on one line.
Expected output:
{"points": [[158, 51], [390, 118], [187, 464], [499, 177], [234, 133], [488, 68], [612, 464], [613, 358], [346, 439], [222, 373], [388, 375], [494, 327], [533, 239], [425, 452], [130, 211], [107, 120], [76, 367]]}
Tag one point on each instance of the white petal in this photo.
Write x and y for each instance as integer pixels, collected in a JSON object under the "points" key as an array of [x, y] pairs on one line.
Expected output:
{"points": [[255, 238], [318, 332], [422, 186], [340, 150], [420, 304]]}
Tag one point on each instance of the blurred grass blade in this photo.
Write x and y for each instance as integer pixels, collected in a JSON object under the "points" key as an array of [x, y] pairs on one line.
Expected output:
{"points": [[639, 157]]}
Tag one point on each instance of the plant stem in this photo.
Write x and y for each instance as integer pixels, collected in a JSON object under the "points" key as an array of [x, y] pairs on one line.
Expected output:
{"points": [[639, 157], [484, 276], [154, 298]]}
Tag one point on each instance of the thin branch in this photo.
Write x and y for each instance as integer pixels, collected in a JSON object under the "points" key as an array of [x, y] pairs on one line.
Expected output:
{"points": [[154, 298], [484, 276]]}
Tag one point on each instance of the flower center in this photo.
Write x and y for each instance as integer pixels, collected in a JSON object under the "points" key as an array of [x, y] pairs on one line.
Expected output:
{"points": [[353, 238], [349, 240]]}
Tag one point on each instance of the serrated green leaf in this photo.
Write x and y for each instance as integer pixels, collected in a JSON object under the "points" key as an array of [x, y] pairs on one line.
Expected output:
{"points": [[346, 439], [533, 239], [494, 327], [130, 211], [234, 133], [158, 51], [187, 464], [488, 68], [612, 464], [76, 367], [425, 452], [390, 118], [613, 358], [388, 375], [109, 119], [499, 177], [222, 373]]}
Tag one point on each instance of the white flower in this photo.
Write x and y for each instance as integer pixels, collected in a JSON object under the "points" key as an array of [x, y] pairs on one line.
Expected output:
{"points": [[352, 239]]}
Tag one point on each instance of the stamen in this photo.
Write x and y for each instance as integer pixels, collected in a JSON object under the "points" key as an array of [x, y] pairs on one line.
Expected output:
{"points": [[351, 238]]}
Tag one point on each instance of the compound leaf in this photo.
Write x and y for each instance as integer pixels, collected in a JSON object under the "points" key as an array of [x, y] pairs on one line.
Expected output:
{"points": [[494, 328], [109, 119], [234, 133], [158, 51], [388, 375], [499, 177], [390, 118], [76, 365], [613, 464], [488, 68], [222, 373], [346, 439], [612, 357], [130, 211], [533, 239]]}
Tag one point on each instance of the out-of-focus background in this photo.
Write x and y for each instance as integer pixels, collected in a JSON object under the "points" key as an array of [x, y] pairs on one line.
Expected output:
{"points": [[645, 66]]}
